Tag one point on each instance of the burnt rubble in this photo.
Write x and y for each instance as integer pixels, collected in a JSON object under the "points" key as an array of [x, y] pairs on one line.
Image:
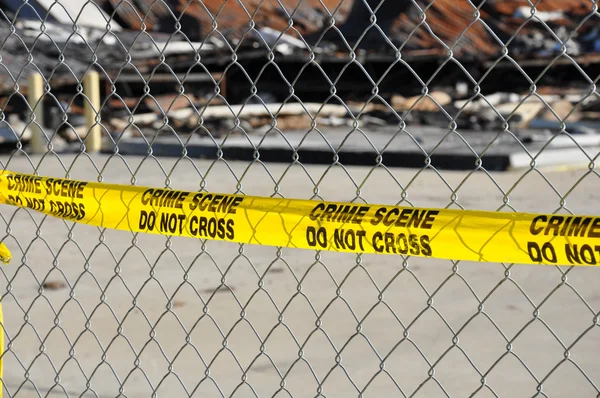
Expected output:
{"points": [[180, 69], [213, 35]]}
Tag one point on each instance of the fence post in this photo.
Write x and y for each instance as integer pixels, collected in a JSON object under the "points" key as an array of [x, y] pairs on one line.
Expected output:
{"points": [[91, 89], [35, 91]]}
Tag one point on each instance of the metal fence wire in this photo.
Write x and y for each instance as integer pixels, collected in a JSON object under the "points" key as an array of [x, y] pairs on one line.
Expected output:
{"points": [[444, 103]]}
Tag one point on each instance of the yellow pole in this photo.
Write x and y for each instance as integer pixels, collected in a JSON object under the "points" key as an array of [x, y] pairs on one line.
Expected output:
{"points": [[1, 351], [5, 257], [35, 91], [91, 89]]}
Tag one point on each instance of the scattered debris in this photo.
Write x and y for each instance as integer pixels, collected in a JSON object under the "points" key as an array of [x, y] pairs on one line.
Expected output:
{"points": [[153, 81], [561, 109], [260, 110], [220, 289], [178, 303], [293, 122], [488, 101], [521, 113], [54, 285], [14, 129], [428, 103], [334, 121], [278, 41], [169, 102], [368, 120]]}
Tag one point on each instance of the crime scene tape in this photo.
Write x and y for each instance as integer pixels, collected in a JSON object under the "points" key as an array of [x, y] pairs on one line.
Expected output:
{"points": [[1, 350], [308, 224]]}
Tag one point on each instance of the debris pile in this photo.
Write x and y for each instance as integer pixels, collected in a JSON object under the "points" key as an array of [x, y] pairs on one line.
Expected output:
{"points": [[470, 32], [154, 68], [524, 30], [519, 113], [181, 34]]}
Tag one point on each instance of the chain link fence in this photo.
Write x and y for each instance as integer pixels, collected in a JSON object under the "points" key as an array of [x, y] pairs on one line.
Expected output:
{"points": [[486, 105]]}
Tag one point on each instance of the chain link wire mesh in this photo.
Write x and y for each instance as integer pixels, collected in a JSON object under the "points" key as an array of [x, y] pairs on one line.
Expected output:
{"points": [[92, 312]]}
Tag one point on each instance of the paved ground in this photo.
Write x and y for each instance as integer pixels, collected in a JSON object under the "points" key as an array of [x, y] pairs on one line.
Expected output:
{"points": [[448, 151], [292, 323]]}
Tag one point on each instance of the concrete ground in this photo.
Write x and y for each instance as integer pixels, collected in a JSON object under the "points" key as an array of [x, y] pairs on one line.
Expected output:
{"points": [[148, 316]]}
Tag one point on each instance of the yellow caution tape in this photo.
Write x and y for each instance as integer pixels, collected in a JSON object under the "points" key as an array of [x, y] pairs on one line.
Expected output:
{"points": [[307, 224], [1, 351], [5, 257]]}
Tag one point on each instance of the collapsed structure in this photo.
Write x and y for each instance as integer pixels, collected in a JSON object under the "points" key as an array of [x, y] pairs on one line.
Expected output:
{"points": [[271, 51]]}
